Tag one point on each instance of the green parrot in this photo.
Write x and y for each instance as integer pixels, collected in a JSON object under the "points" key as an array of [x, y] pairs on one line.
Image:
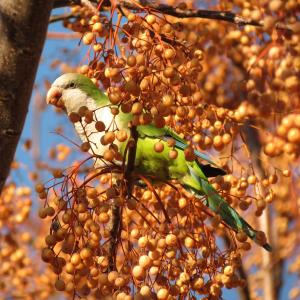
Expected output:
{"points": [[72, 91]]}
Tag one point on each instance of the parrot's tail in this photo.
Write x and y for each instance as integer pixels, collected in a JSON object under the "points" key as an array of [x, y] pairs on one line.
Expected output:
{"points": [[220, 207]]}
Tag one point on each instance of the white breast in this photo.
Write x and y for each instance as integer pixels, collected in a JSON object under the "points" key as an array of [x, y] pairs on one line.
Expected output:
{"points": [[74, 99]]}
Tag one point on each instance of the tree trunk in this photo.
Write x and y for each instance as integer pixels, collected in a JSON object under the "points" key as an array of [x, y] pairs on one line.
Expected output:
{"points": [[23, 27]]}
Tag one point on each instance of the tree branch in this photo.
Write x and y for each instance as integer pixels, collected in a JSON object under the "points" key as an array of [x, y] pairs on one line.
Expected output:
{"points": [[226, 16], [116, 222], [63, 3], [62, 17], [21, 45]]}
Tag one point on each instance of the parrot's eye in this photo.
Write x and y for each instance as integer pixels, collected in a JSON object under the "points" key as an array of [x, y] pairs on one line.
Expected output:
{"points": [[70, 85]]}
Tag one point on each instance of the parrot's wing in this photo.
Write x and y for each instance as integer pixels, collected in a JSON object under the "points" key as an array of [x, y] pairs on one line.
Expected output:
{"points": [[166, 133]]}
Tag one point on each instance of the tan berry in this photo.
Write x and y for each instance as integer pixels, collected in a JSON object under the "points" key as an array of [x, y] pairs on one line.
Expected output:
{"points": [[145, 261], [143, 242], [97, 27], [217, 141], [57, 173], [168, 100], [252, 179], [294, 135], [171, 239], [169, 53], [137, 108], [42, 213], [109, 137], [241, 236], [138, 272], [50, 211], [173, 154], [145, 291], [151, 19], [131, 60], [100, 126], [228, 270], [85, 146], [270, 149], [162, 294], [226, 138], [88, 38], [86, 253], [74, 117], [131, 17], [159, 147], [109, 155], [189, 154], [39, 188], [286, 173], [60, 285], [75, 259]]}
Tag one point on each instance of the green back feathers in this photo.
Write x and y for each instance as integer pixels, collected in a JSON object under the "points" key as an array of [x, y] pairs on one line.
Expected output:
{"points": [[166, 133]]}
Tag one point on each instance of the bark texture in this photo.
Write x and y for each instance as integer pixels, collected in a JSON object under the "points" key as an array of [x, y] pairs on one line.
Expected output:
{"points": [[23, 27]]}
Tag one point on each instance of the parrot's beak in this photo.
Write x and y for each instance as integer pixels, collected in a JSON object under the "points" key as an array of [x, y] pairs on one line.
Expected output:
{"points": [[54, 97]]}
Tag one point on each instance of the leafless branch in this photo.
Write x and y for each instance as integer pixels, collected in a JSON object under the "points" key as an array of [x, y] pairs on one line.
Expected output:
{"points": [[226, 16], [63, 3], [86, 3]]}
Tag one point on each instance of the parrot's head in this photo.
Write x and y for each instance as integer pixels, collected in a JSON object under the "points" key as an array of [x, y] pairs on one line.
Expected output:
{"points": [[71, 91]]}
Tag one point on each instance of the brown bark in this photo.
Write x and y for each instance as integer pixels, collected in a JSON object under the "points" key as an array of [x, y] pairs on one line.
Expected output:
{"points": [[23, 27]]}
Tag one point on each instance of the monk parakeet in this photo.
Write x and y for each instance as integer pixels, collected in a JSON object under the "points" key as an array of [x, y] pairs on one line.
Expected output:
{"points": [[72, 91]]}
